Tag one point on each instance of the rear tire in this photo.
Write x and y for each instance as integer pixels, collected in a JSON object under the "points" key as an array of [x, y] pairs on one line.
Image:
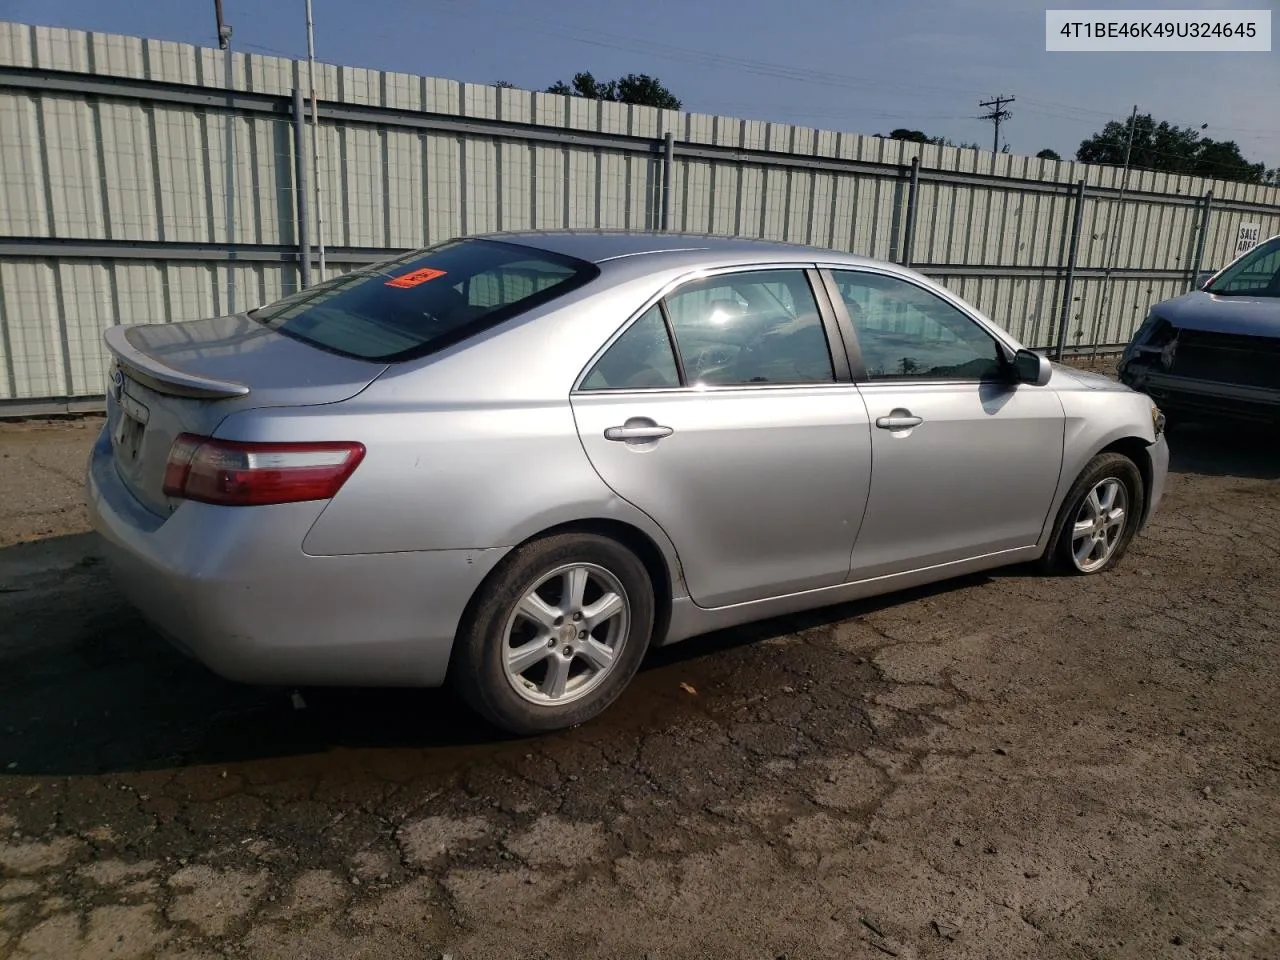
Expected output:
{"points": [[555, 634], [1098, 518]]}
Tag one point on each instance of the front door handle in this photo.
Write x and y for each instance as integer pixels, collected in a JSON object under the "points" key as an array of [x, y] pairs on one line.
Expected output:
{"points": [[899, 421], [638, 432]]}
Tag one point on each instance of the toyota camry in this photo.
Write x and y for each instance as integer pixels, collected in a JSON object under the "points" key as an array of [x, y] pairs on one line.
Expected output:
{"points": [[516, 463]]}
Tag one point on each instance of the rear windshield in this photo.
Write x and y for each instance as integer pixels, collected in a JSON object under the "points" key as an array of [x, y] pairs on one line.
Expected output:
{"points": [[426, 301]]}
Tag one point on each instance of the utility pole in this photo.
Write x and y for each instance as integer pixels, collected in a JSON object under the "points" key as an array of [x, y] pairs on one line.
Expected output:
{"points": [[224, 41], [315, 138], [998, 113], [1113, 238]]}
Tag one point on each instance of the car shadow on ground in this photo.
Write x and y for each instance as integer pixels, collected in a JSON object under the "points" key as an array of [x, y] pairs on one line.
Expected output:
{"points": [[1226, 449], [87, 687]]}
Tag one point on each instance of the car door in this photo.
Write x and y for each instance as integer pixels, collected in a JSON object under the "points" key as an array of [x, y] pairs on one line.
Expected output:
{"points": [[722, 412], [965, 460]]}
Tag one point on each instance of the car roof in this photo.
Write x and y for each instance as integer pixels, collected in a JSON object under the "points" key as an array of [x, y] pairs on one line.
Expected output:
{"points": [[601, 246]]}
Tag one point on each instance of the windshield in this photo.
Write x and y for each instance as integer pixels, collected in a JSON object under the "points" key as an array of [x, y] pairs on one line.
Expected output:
{"points": [[425, 301], [1257, 274]]}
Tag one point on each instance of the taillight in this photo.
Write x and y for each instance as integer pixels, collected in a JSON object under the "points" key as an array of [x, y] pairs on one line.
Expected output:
{"points": [[235, 474]]}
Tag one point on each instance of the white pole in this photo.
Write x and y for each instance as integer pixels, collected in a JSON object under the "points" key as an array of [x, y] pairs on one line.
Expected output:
{"points": [[315, 140], [224, 41], [1113, 242], [231, 185]]}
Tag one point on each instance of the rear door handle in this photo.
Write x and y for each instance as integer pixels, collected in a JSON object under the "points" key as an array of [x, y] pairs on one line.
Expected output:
{"points": [[899, 422], [654, 432]]}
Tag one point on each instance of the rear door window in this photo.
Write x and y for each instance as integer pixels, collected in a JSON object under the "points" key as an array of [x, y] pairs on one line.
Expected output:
{"points": [[756, 327], [426, 301], [731, 330]]}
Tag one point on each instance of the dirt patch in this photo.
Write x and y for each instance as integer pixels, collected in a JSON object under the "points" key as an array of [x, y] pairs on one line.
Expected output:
{"points": [[1104, 363], [212, 900], [37, 856], [42, 464], [426, 840]]}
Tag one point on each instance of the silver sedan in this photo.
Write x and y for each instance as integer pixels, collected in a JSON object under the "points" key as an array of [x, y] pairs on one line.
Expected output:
{"points": [[515, 463]]}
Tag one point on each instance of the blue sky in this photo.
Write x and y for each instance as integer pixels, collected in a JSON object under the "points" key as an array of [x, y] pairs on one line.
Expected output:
{"points": [[922, 64]]}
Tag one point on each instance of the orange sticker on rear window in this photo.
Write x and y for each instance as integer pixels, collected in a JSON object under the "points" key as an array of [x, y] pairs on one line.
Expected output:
{"points": [[416, 277]]}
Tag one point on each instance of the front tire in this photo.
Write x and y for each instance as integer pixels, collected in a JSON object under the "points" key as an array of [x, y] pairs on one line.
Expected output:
{"points": [[1098, 519], [556, 634]]}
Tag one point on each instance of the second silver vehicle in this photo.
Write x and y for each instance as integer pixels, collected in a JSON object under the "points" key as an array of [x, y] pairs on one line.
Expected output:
{"points": [[517, 463]]}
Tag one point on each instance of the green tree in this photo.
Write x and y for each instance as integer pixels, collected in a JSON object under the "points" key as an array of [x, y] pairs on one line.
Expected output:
{"points": [[638, 88], [919, 136], [915, 136], [1169, 148], [1047, 154]]}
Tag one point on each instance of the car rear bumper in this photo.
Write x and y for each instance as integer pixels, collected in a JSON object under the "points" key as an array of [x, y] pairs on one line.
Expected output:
{"points": [[231, 587]]}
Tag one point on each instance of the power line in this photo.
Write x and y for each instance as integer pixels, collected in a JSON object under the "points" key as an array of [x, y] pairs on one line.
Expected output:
{"points": [[997, 114], [1087, 115], [600, 38], [577, 33], [907, 116], [894, 115]]}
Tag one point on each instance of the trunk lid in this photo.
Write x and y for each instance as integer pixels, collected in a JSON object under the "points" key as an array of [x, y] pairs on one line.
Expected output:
{"points": [[188, 377]]}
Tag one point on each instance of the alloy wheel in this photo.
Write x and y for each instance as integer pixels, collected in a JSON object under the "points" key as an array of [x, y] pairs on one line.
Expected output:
{"points": [[566, 633], [1099, 524]]}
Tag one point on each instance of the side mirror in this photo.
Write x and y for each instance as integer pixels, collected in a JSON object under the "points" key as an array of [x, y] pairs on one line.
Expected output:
{"points": [[1030, 367], [1203, 277]]}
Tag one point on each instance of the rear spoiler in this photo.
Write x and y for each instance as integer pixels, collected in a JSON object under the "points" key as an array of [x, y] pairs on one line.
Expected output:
{"points": [[163, 378]]}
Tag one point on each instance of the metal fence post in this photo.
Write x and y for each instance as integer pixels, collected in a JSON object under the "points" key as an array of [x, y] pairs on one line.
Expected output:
{"points": [[1200, 240], [1073, 249], [909, 229], [301, 188], [668, 171]]}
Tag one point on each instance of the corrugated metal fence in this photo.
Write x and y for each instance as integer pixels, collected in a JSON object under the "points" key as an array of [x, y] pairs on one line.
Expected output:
{"points": [[136, 186]]}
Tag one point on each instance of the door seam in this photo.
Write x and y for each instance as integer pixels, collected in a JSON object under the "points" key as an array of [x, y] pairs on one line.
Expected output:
{"points": [[675, 551]]}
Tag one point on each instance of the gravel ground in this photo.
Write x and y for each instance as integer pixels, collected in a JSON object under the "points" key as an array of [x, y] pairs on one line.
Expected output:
{"points": [[1000, 767]]}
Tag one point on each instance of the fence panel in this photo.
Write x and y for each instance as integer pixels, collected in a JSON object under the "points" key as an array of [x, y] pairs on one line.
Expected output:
{"points": [[118, 156]]}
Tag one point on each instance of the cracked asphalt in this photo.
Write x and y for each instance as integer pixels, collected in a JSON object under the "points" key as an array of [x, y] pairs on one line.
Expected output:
{"points": [[1003, 766]]}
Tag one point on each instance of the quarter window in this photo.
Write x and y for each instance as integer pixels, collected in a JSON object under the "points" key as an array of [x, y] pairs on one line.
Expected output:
{"points": [[907, 332], [641, 357]]}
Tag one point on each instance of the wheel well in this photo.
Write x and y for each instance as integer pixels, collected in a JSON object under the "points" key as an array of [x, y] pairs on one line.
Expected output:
{"points": [[642, 545], [633, 538], [1135, 448]]}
